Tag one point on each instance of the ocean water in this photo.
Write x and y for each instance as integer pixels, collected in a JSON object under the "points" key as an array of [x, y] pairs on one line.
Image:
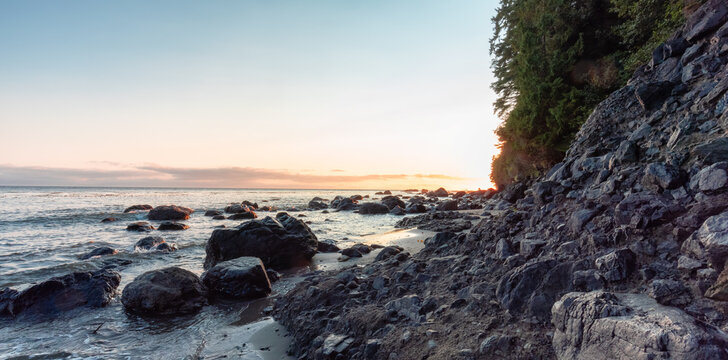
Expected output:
{"points": [[43, 230]]}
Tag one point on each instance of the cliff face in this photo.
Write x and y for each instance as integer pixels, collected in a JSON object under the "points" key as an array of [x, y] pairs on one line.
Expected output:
{"points": [[618, 252]]}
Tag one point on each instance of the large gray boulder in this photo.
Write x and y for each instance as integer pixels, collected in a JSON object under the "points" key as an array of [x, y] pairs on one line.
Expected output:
{"points": [[600, 325], [241, 278], [170, 212], [168, 291], [710, 241], [281, 243]]}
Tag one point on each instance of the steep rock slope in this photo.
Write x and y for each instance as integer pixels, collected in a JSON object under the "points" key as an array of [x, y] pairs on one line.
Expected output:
{"points": [[618, 252]]}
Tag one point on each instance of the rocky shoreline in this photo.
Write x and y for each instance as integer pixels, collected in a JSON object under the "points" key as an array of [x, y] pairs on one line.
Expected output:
{"points": [[618, 252]]}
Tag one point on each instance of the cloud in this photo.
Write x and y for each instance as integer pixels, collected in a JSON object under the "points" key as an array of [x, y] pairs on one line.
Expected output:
{"points": [[235, 177]]}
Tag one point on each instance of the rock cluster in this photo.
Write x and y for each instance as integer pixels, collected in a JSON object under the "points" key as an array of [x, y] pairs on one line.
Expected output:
{"points": [[618, 252]]}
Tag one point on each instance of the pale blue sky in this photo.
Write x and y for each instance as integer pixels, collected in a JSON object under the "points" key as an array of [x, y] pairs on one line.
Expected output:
{"points": [[296, 87]]}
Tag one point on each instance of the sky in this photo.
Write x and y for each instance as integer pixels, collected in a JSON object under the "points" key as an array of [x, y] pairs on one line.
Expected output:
{"points": [[269, 94]]}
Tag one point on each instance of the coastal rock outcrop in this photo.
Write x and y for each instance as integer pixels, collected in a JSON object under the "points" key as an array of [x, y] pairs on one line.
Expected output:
{"points": [[172, 226], [603, 325], [281, 243], [240, 278], [168, 291], [170, 212], [99, 251], [154, 243], [141, 226]]}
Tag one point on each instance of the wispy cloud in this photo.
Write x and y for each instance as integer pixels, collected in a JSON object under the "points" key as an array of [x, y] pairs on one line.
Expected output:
{"points": [[155, 175]]}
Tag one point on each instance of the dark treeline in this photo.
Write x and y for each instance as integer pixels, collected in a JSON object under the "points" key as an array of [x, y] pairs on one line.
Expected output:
{"points": [[554, 60]]}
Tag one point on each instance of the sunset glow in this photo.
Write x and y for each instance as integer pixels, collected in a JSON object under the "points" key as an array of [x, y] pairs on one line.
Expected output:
{"points": [[325, 94]]}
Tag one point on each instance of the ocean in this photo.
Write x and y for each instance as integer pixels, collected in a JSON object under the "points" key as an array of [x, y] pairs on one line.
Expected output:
{"points": [[43, 230]]}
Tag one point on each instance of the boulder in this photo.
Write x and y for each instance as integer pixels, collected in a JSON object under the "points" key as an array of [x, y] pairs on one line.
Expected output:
{"points": [[154, 243], [658, 177], [710, 241], [448, 205], [669, 292], [99, 251], [617, 265], [397, 211], [327, 246], [281, 243], [341, 203], [385, 192], [652, 94], [168, 291], [441, 192], [713, 177], [317, 205], [392, 202], [7, 296], [711, 152], [246, 215], [62, 293], [370, 208], [705, 19], [170, 212], [138, 208], [599, 325], [109, 219], [213, 212], [235, 208], [141, 226], [415, 208], [241, 278], [173, 226], [388, 252], [218, 217], [719, 290]]}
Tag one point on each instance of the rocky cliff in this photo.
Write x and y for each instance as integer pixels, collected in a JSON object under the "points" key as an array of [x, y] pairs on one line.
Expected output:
{"points": [[617, 253]]}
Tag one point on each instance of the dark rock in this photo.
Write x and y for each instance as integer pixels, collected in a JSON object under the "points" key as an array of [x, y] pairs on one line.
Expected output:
{"points": [[317, 205], [588, 280], [658, 177], [218, 217], [327, 246], [617, 265], [281, 243], [441, 192], [173, 226], [719, 290], [170, 212], [273, 275], [213, 212], [240, 278], [7, 296], [513, 192], [448, 205], [109, 219], [243, 215], [711, 152], [370, 208], [343, 204], [392, 202], [93, 289], [388, 252], [351, 252], [99, 251], [138, 208], [652, 94], [168, 291], [385, 192], [669, 292], [397, 211], [415, 208], [235, 208], [705, 19], [141, 226], [336, 345], [156, 243]]}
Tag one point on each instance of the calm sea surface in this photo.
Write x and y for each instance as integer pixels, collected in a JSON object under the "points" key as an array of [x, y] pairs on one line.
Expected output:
{"points": [[43, 230]]}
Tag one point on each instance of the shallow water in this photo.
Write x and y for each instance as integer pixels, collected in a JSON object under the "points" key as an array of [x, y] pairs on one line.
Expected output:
{"points": [[43, 230]]}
